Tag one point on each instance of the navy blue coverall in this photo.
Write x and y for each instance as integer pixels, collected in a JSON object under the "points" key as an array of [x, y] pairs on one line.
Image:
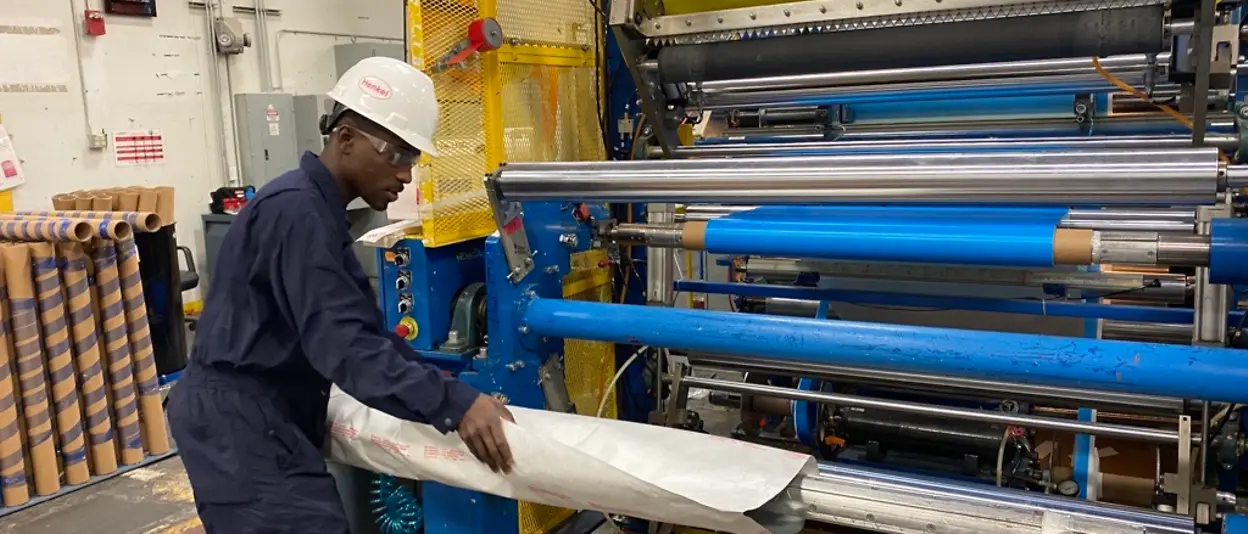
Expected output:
{"points": [[289, 311]]}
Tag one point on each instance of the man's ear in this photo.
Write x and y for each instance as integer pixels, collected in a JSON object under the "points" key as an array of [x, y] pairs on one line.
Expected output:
{"points": [[346, 140]]}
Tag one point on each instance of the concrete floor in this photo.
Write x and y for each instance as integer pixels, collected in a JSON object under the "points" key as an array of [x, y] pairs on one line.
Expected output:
{"points": [[156, 499]]}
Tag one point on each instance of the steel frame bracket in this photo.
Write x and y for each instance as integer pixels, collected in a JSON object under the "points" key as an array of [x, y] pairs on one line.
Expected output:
{"points": [[1204, 57], [1180, 484], [653, 102], [509, 216]]}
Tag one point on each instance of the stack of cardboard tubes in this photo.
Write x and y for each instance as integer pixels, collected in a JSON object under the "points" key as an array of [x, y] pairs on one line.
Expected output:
{"points": [[79, 393]]}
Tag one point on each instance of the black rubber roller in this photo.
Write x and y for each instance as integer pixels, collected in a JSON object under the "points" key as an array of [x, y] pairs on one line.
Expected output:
{"points": [[1137, 30]]}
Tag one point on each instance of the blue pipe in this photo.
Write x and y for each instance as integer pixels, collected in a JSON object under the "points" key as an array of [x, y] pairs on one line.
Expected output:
{"points": [[964, 236], [1118, 312], [1214, 374]]}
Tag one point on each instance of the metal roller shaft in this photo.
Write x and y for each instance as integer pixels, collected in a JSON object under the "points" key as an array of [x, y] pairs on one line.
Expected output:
{"points": [[1101, 177], [1151, 435], [1061, 396], [1154, 287], [1142, 124], [1136, 64], [828, 148], [1148, 332], [1237, 177], [854, 496], [930, 90]]}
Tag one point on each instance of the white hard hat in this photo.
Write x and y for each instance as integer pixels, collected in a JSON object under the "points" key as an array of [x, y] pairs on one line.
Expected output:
{"points": [[395, 95]]}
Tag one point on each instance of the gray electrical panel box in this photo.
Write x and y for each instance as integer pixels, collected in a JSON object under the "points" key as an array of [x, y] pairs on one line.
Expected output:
{"points": [[308, 111], [266, 136], [347, 55]]}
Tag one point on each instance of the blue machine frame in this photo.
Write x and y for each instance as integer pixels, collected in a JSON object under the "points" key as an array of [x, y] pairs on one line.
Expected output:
{"points": [[528, 319], [436, 276]]}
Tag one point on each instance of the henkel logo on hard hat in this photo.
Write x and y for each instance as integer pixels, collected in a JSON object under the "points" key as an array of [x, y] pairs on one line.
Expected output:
{"points": [[375, 87]]}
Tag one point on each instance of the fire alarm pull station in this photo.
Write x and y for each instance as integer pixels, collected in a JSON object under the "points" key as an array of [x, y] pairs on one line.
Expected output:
{"points": [[94, 23], [139, 8]]}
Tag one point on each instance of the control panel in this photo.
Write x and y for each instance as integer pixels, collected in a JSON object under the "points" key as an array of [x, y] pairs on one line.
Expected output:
{"points": [[434, 298]]}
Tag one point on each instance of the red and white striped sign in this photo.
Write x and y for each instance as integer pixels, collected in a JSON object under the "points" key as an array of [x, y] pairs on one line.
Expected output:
{"points": [[141, 147]]}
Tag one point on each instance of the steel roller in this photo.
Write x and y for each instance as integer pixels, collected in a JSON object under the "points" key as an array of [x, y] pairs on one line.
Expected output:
{"points": [[1088, 177]]}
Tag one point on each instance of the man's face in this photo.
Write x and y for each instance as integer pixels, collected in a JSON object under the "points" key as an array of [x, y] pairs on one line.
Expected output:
{"points": [[382, 164]]}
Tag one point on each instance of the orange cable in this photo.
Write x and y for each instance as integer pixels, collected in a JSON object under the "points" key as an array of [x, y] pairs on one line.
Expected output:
{"points": [[1174, 113]]}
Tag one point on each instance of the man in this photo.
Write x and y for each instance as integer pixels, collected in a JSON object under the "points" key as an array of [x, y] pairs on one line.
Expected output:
{"points": [[290, 310]]}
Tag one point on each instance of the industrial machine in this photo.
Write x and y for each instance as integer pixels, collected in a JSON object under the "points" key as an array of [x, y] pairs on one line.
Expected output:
{"points": [[982, 258]]}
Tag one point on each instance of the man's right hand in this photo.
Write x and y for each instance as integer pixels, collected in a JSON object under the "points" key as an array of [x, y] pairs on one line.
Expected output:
{"points": [[482, 430]]}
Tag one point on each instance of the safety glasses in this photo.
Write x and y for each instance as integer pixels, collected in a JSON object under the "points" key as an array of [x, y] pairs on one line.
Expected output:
{"points": [[396, 156]]}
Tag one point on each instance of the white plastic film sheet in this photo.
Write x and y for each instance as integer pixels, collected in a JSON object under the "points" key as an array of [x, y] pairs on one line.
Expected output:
{"points": [[582, 463]]}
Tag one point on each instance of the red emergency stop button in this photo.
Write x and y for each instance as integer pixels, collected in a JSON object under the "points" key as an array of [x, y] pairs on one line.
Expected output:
{"points": [[407, 329]]}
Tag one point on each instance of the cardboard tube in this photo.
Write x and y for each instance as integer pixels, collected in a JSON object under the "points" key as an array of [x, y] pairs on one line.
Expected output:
{"points": [[102, 202], [165, 204], [121, 379], [83, 201], [117, 348], [148, 200], [25, 321], [1072, 247], [102, 228], [141, 221], [63, 202], [97, 322], [87, 358], [693, 235], [128, 201], [16, 490], [150, 410], [45, 230], [60, 363]]}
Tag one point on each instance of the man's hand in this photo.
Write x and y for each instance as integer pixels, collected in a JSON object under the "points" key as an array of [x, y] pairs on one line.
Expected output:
{"points": [[482, 430]]}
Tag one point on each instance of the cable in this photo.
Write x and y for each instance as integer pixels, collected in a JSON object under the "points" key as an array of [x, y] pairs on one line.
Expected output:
{"points": [[1005, 438], [606, 394], [396, 509], [1173, 113], [632, 147], [598, 8]]}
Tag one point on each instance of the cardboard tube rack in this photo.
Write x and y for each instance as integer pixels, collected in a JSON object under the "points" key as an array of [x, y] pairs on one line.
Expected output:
{"points": [[79, 393]]}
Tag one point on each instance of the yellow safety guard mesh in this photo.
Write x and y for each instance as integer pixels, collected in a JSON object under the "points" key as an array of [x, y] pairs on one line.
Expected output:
{"points": [[536, 99]]}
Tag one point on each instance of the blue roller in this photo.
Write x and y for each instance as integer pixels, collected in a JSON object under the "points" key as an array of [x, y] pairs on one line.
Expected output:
{"points": [[966, 92], [806, 414], [1057, 308], [1235, 524], [1228, 251], [1213, 374], [966, 236]]}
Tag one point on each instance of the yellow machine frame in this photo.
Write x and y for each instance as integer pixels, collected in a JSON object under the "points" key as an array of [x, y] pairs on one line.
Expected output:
{"points": [[534, 99]]}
